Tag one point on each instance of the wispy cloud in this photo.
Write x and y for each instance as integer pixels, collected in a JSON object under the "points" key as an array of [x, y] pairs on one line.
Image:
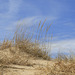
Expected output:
{"points": [[14, 6], [29, 21], [64, 46], [8, 12], [69, 24], [61, 13]]}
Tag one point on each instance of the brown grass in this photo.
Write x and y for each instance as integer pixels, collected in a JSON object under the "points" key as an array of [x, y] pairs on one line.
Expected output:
{"points": [[64, 65], [6, 44], [60, 68], [22, 48], [12, 52]]}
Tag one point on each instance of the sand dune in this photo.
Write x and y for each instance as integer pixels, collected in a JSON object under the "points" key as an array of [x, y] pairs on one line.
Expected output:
{"points": [[13, 62]]}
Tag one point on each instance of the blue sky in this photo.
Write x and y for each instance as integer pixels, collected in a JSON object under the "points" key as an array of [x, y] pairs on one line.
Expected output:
{"points": [[61, 13]]}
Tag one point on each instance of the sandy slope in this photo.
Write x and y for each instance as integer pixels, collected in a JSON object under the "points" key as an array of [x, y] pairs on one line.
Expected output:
{"points": [[12, 63], [25, 70], [16, 62]]}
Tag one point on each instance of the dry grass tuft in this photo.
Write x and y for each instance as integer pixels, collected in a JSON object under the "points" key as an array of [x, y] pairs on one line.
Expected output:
{"points": [[25, 44], [14, 51], [6, 44], [59, 68], [23, 48], [63, 66]]}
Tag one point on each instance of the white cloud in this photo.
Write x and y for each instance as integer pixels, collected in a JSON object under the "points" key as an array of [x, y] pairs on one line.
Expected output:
{"points": [[10, 9], [69, 24], [14, 6], [29, 21], [62, 46], [26, 22]]}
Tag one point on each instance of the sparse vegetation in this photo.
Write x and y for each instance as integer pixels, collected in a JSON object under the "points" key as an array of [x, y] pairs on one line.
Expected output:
{"points": [[59, 68], [19, 50]]}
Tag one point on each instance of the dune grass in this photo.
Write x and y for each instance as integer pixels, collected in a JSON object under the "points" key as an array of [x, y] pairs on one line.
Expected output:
{"points": [[59, 68], [23, 44]]}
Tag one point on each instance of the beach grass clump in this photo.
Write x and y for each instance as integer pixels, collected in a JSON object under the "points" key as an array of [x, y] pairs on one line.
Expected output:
{"points": [[6, 44], [26, 44], [62, 67]]}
